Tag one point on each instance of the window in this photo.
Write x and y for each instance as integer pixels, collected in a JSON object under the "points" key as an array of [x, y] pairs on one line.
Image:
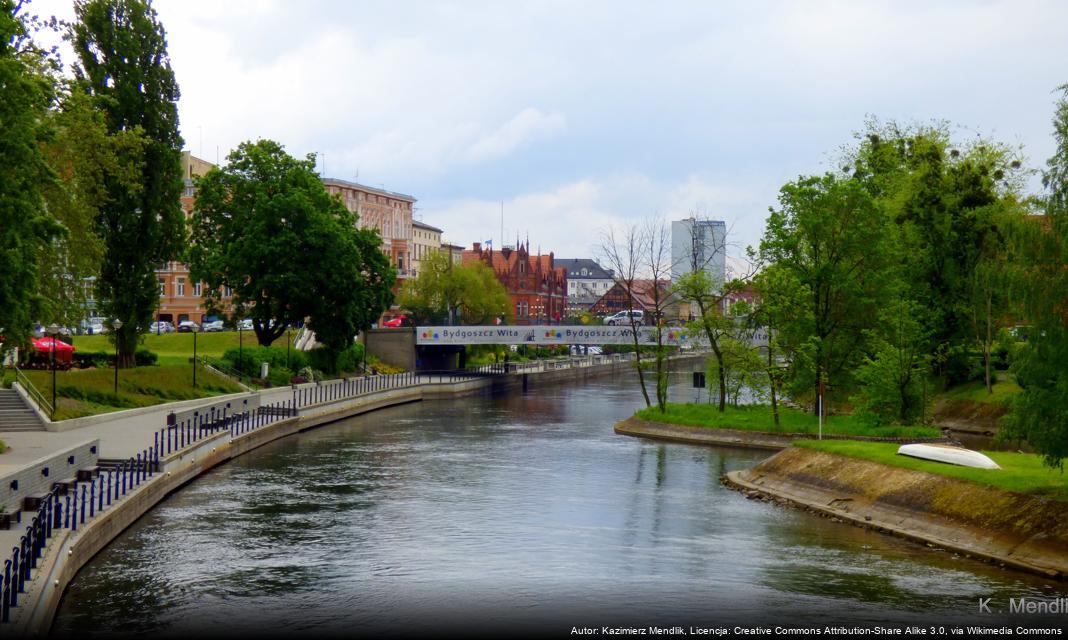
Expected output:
{"points": [[228, 292], [181, 288], [198, 289], [162, 288]]}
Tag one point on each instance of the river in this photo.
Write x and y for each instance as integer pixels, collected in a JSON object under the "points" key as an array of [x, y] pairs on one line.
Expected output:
{"points": [[517, 512]]}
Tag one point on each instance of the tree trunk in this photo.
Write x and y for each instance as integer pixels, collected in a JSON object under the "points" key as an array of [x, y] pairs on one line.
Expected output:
{"points": [[986, 343], [126, 339], [638, 365]]}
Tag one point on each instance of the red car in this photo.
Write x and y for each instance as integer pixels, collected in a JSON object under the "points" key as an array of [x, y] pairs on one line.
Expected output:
{"points": [[399, 321]]}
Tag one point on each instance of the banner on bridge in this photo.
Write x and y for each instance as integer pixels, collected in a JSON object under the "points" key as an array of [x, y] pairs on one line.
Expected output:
{"points": [[548, 334]]}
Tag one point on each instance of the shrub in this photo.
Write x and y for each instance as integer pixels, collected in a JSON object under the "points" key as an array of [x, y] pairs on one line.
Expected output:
{"points": [[100, 359], [962, 366], [351, 358], [247, 360], [145, 358]]}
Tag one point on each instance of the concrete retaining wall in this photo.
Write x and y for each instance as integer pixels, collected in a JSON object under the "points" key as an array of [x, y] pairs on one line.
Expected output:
{"points": [[31, 479]]}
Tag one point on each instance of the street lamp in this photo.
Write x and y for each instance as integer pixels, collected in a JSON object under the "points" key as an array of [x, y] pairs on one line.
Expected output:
{"points": [[53, 331], [195, 330], [287, 347], [240, 351], [116, 324]]}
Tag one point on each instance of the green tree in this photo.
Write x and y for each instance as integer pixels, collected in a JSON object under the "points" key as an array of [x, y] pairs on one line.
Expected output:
{"points": [[266, 228], [830, 238], [781, 297], [26, 228], [892, 378], [85, 157], [1040, 413], [443, 292], [945, 200], [124, 67]]}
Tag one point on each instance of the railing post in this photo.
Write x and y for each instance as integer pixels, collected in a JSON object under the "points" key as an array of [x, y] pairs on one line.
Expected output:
{"points": [[5, 606], [83, 504], [110, 473]]}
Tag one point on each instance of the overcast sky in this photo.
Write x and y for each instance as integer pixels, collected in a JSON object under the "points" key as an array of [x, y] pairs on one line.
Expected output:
{"points": [[580, 115]]}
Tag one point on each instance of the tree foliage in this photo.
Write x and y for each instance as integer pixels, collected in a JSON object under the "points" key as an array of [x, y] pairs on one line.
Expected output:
{"points": [[831, 239], [1040, 413], [265, 228], [26, 228], [124, 67], [445, 292]]}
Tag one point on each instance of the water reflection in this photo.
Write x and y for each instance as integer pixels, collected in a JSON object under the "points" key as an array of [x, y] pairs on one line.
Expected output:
{"points": [[524, 509]]}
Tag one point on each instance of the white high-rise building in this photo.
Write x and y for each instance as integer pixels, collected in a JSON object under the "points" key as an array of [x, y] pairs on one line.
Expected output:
{"points": [[702, 243]]}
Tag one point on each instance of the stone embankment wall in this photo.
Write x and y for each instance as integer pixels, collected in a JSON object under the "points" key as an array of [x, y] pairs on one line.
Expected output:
{"points": [[1022, 531]]}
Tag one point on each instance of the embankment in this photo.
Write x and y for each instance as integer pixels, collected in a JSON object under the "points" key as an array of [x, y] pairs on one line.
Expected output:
{"points": [[1026, 532], [635, 426]]}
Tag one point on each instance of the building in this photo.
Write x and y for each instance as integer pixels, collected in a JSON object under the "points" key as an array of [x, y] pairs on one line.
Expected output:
{"points": [[425, 240], [456, 252], [179, 297], [644, 298], [587, 281], [700, 243], [387, 212], [537, 286]]}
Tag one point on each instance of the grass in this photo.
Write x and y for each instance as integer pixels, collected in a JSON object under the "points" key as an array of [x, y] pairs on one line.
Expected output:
{"points": [[1020, 472], [1003, 390], [177, 348], [759, 418], [84, 392]]}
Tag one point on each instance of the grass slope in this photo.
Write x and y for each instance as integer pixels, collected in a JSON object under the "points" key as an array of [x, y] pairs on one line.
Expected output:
{"points": [[1020, 472], [759, 418], [84, 392]]}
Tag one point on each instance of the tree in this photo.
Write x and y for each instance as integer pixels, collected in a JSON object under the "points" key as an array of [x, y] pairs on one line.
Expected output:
{"points": [[264, 227], [657, 262], [124, 67], [85, 157], [832, 240], [781, 297], [1040, 413], [26, 228], [892, 378], [623, 253], [444, 290]]}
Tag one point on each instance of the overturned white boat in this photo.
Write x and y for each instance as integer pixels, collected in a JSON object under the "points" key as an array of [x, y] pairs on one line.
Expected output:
{"points": [[948, 454]]}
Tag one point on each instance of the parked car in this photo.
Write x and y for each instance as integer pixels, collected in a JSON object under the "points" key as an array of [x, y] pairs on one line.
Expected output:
{"points": [[188, 326], [245, 325], [213, 325], [161, 327], [399, 321], [625, 318]]}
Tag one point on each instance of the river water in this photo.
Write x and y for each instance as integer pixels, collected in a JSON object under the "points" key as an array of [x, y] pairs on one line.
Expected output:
{"points": [[516, 512]]}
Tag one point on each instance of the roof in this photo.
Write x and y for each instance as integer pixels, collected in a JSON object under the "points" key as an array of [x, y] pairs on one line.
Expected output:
{"points": [[362, 187], [423, 225], [574, 268]]}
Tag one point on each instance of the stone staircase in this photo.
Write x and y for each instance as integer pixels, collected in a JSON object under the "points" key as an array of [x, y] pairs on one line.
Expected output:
{"points": [[16, 415]]}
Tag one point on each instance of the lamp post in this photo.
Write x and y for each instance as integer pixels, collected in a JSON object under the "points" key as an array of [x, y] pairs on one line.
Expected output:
{"points": [[116, 324], [195, 330], [53, 331], [240, 351]]}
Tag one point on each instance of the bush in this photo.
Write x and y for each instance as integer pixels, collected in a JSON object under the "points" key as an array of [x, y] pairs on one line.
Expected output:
{"points": [[145, 358], [99, 359], [247, 361], [962, 366], [350, 359]]}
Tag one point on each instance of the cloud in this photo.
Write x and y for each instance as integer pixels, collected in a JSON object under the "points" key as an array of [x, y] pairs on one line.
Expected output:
{"points": [[527, 126], [570, 219]]}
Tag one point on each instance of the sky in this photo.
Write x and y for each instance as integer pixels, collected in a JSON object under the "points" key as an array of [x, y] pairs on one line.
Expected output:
{"points": [[577, 117]]}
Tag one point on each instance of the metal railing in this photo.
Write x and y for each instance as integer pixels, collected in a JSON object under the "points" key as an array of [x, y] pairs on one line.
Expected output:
{"points": [[69, 505], [35, 395]]}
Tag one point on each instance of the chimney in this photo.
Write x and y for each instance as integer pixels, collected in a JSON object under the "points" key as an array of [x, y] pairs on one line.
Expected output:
{"points": [[477, 247]]}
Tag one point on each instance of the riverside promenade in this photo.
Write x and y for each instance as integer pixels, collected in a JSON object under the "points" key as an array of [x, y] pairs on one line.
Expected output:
{"points": [[122, 464]]}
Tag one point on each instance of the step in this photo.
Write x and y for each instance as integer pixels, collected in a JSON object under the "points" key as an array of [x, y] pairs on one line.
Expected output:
{"points": [[65, 486], [33, 502], [88, 473]]}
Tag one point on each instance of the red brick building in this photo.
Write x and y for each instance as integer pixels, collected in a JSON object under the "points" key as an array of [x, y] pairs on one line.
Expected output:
{"points": [[644, 299], [537, 286]]}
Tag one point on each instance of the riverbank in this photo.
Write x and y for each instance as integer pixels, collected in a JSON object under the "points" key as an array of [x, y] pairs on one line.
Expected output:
{"points": [[1023, 531], [637, 427]]}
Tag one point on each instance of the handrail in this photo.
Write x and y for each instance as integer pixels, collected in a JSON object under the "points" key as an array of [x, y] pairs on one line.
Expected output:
{"points": [[35, 395], [227, 372]]}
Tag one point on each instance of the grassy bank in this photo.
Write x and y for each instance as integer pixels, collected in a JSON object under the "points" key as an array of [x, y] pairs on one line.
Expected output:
{"points": [[1001, 393], [87, 392], [1020, 472], [177, 348], [759, 418]]}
